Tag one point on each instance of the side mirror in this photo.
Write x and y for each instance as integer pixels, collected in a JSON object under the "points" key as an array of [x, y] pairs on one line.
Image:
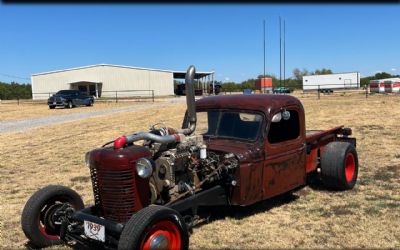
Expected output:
{"points": [[286, 115]]}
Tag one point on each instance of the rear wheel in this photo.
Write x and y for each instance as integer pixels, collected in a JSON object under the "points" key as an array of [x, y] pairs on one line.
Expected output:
{"points": [[90, 103], [155, 227], [38, 219], [70, 105], [339, 166]]}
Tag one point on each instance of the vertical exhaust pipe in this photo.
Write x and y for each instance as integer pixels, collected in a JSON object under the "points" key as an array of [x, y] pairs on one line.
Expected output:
{"points": [[190, 101]]}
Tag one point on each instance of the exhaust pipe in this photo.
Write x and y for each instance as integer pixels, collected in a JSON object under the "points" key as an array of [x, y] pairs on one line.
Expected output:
{"points": [[190, 101], [122, 141]]}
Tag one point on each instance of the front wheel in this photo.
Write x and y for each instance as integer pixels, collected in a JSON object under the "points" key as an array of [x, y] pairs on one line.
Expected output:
{"points": [[155, 227], [339, 166], [38, 219]]}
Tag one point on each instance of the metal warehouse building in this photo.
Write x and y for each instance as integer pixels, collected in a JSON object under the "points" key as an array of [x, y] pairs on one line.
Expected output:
{"points": [[103, 80]]}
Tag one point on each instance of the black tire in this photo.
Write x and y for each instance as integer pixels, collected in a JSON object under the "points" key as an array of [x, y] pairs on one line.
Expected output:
{"points": [[339, 166], [36, 217], [69, 105], [150, 220], [52, 107], [90, 104]]}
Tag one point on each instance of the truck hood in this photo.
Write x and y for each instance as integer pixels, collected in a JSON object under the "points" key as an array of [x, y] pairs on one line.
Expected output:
{"points": [[245, 151]]}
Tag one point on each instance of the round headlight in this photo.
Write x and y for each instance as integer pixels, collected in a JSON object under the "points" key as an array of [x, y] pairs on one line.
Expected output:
{"points": [[144, 167], [87, 159]]}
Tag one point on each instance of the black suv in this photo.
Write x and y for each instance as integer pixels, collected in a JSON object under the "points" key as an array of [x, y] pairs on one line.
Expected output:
{"points": [[69, 99]]}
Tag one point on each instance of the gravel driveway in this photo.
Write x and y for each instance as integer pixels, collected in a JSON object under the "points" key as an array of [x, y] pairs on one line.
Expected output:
{"points": [[24, 125]]}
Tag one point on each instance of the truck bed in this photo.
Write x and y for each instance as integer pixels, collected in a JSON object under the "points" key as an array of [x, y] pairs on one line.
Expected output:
{"points": [[316, 141], [316, 136]]}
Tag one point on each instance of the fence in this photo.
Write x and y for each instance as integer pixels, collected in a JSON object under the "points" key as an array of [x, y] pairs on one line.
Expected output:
{"points": [[313, 91], [118, 95]]}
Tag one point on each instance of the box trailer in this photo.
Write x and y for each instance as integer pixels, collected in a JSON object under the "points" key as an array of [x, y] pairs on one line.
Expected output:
{"points": [[264, 84], [382, 85], [331, 81], [377, 86], [392, 86]]}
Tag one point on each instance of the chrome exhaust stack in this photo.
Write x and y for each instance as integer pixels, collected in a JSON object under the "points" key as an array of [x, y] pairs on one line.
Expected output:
{"points": [[190, 102]]}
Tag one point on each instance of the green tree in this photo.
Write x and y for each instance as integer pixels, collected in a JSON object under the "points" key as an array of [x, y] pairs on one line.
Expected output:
{"points": [[15, 90]]}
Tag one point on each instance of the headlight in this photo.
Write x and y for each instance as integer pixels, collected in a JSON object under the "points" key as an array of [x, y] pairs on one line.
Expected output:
{"points": [[144, 167], [87, 159]]}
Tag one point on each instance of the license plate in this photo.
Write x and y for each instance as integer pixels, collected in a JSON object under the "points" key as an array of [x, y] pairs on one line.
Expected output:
{"points": [[94, 231], [54, 103]]}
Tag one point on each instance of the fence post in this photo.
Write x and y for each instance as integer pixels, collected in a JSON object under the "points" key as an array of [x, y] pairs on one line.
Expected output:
{"points": [[319, 91], [152, 95], [116, 96], [366, 90], [18, 100]]}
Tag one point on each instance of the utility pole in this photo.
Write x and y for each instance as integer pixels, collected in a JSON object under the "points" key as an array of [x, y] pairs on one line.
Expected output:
{"points": [[264, 59], [284, 52], [280, 52]]}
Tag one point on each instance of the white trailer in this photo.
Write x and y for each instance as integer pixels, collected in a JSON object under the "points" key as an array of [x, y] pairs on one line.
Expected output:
{"points": [[332, 81], [382, 85], [392, 85]]}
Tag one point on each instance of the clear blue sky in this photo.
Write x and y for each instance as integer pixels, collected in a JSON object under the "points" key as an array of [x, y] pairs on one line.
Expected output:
{"points": [[224, 38]]}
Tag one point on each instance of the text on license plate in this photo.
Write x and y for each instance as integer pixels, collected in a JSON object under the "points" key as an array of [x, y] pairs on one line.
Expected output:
{"points": [[94, 231]]}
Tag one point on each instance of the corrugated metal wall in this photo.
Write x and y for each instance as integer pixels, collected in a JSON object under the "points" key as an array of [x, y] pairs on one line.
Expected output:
{"points": [[113, 78]]}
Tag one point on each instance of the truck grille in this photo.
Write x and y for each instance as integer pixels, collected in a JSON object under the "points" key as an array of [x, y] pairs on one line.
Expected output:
{"points": [[114, 192]]}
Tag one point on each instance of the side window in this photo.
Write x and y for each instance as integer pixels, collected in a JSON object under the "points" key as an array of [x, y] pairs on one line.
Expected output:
{"points": [[285, 129]]}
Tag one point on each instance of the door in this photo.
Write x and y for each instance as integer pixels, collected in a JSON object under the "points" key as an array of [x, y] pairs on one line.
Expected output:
{"points": [[285, 152], [347, 83]]}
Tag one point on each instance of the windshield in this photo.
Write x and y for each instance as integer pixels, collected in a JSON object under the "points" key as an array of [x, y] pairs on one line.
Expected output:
{"points": [[65, 92], [229, 124]]}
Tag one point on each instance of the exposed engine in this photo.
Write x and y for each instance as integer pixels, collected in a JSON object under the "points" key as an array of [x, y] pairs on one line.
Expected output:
{"points": [[184, 167]]}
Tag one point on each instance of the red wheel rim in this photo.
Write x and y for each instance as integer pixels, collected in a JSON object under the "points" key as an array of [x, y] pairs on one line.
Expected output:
{"points": [[46, 228], [42, 229], [350, 167], [164, 228]]}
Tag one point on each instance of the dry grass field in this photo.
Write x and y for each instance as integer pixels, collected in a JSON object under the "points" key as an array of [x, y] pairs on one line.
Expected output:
{"points": [[366, 217]]}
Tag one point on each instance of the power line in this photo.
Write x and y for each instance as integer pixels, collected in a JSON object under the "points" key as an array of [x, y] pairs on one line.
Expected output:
{"points": [[280, 52], [284, 52]]}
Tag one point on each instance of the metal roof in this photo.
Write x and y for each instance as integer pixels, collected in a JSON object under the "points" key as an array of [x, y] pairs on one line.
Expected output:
{"points": [[198, 75], [177, 74]]}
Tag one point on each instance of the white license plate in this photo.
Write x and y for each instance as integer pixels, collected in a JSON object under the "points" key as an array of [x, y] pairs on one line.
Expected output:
{"points": [[94, 231], [54, 103]]}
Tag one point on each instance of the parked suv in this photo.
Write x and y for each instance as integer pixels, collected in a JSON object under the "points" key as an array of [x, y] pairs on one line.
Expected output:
{"points": [[69, 99]]}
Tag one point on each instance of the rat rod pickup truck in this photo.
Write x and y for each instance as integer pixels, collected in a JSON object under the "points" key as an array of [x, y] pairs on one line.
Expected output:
{"points": [[148, 186]]}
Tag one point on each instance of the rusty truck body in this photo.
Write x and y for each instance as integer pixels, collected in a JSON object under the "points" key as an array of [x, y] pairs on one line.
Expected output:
{"points": [[148, 186]]}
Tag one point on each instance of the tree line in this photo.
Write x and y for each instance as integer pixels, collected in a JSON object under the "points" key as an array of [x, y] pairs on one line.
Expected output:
{"points": [[13, 90]]}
